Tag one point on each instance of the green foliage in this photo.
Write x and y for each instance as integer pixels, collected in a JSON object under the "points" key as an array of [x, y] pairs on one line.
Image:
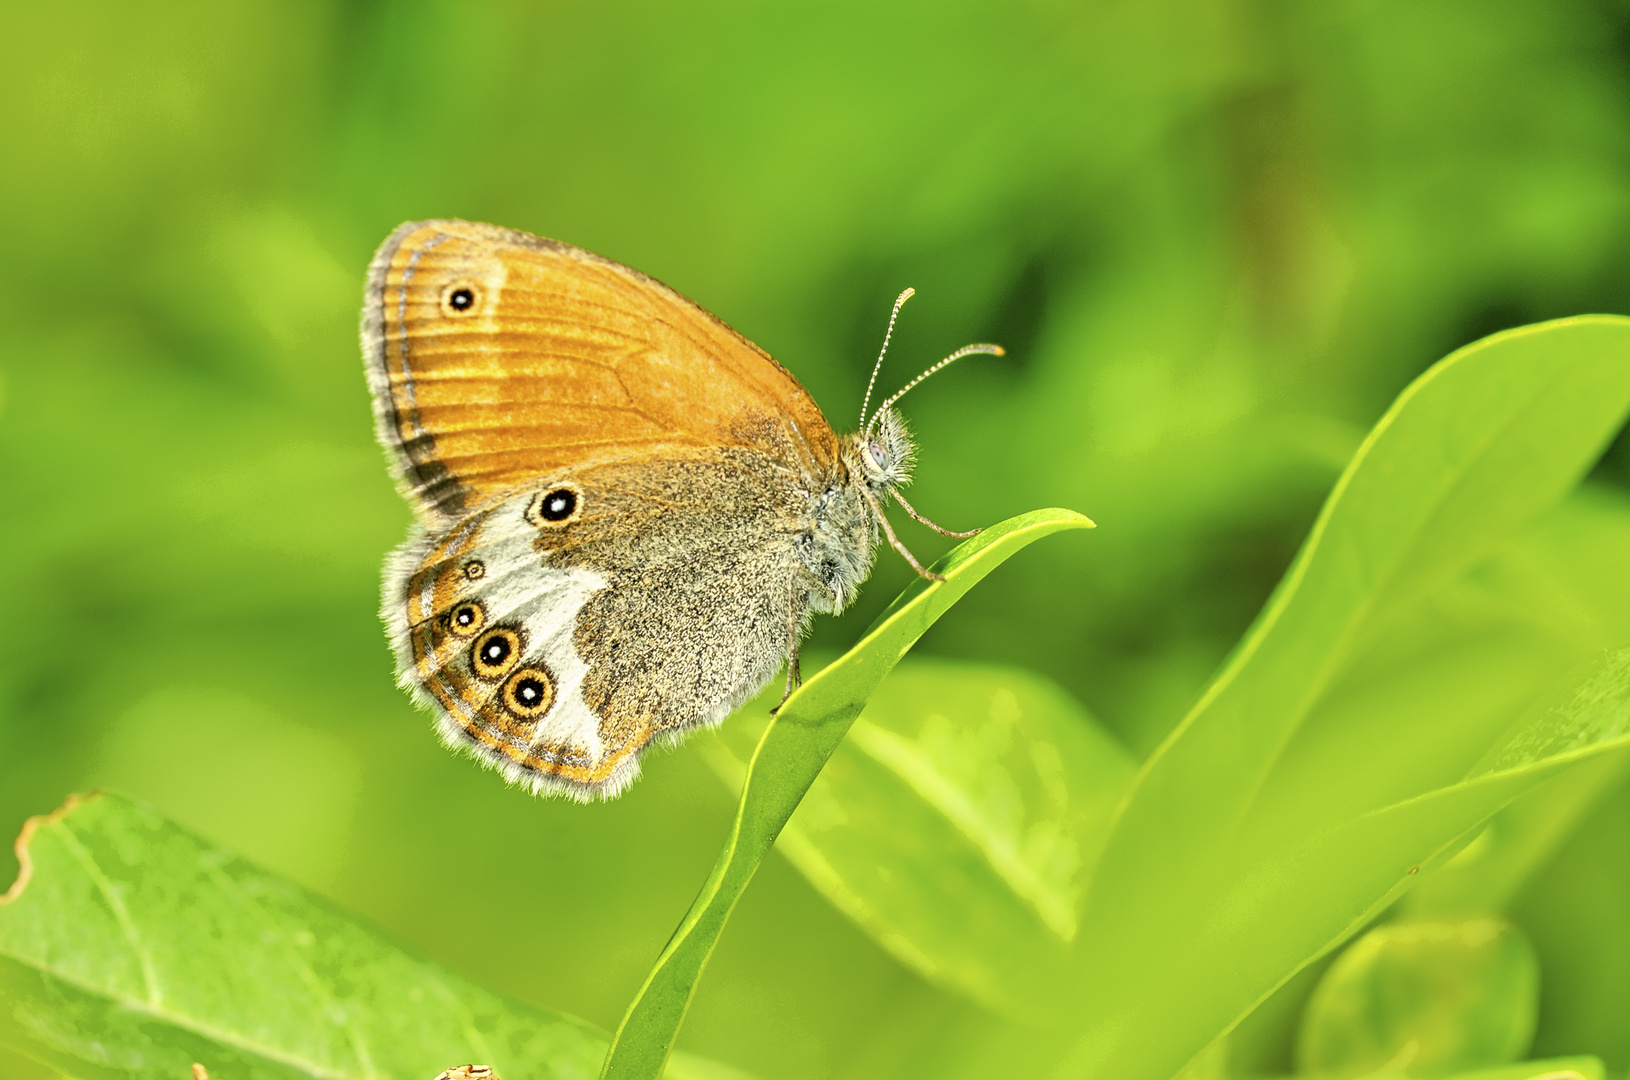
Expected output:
{"points": [[1357, 742], [956, 823], [1282, 776], [1217, 239], [1577, 1068], [133, 950], [790, 755], [1424, 998]]}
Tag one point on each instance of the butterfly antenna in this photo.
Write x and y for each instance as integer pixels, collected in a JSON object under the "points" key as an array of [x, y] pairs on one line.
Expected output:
{"points": [[899, 302], [966, 350]]}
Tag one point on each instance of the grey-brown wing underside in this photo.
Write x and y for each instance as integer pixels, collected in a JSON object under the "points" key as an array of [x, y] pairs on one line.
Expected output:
{"points": [[668, 593]]}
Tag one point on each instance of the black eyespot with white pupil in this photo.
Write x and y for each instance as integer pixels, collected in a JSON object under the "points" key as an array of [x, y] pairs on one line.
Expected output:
{"points": [[529, 693], [495, 652], [466, 619], [558, 505], [461, 300]]}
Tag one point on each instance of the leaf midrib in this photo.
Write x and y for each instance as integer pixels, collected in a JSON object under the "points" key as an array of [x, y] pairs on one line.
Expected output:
{"points": [[236, 1040]]}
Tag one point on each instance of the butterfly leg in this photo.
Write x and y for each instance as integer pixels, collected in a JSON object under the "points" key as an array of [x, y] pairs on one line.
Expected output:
{"points": [[795, 678], [894, 541], [942, 531]]}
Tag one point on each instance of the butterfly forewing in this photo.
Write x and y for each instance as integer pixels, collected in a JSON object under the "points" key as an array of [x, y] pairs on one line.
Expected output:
{"points": [[497, 357]]}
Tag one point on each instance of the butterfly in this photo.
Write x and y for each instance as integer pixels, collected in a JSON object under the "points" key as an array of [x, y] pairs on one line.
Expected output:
{"points": [[627, 512]]}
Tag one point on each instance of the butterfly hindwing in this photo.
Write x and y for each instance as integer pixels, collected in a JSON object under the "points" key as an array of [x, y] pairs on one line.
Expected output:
{"points": [[562, 629], [484, 633]]}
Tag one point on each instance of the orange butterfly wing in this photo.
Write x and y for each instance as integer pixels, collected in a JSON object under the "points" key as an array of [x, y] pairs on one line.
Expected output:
{"points": [[496, 356]]}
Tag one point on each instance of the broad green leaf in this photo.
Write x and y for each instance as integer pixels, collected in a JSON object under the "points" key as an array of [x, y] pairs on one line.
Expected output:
{"points": [[1260, 924], [1199, 907], [955, 821], [130, 949], [1424, 998], [1559, 593], [794, 749], [1574, 910], [1420, 706]]}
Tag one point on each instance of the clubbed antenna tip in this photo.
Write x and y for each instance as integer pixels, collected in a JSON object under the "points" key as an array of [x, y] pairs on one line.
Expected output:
{"points": [[966, 350]]}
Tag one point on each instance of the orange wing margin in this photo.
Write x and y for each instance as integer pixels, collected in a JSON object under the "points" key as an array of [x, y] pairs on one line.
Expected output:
{"points": [[496, 357]]}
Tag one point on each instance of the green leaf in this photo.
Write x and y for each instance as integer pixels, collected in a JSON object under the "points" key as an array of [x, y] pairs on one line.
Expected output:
{"points": [[1203, 902], [955, 822], [130, 949], [1564, 1068], [1424, 998], [794, 749], [1419, 708]]}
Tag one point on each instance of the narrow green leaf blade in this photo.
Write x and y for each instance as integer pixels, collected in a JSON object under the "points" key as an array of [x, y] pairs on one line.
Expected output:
{"points": [[794, 749], [954, 824]]}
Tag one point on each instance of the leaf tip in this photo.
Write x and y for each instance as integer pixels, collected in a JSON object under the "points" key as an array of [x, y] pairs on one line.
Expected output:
{"points": [[1071, 518]]}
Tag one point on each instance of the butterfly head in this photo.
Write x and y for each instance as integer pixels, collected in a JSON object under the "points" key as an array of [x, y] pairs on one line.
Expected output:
{"points": [[885, 451]]}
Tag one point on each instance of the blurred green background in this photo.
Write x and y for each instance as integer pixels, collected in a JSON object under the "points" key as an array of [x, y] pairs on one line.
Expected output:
{"points": [[1217, 237]]}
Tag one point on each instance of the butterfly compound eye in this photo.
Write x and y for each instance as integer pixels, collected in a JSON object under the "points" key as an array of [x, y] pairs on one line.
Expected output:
{"points": [[459, 300], [554, 507]]}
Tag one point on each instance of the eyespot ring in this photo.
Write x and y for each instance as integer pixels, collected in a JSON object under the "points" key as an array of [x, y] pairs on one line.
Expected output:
{"points": [[459, 299], [529, 693], [467, 619], [560, 505], [495, 652], [475, 570]]}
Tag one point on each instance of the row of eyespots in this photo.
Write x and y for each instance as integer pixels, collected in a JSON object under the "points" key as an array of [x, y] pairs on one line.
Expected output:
{"points": [[527, 693]]}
